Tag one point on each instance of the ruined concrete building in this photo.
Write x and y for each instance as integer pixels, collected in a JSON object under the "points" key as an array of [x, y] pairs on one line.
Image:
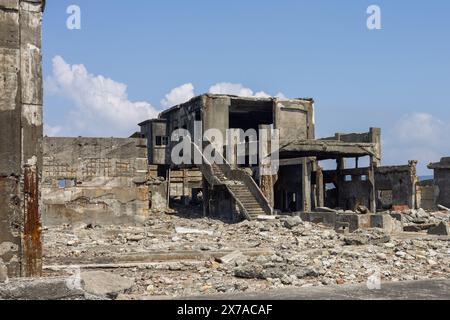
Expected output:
{"points": [[300, 184], [20, 136]]}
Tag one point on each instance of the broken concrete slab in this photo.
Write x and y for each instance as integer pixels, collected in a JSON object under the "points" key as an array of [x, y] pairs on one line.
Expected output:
{"points": [[360, 237], [40, 289], [266, 218], [229, 258], [105, 285], [182, 230]]}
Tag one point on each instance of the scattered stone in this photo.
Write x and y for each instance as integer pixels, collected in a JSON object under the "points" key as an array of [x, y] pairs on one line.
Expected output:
{"points": [[135, 238], [440, 230], [104, 284], [266, 218], [422, 214], [250, 272], [292, 222], [182, 230], [362, 210], [381, 256], [364, 237], [229, 258]]}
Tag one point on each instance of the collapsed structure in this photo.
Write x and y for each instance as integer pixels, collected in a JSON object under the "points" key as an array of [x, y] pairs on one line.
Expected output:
{"points": [[300, 183], [101, 180]]}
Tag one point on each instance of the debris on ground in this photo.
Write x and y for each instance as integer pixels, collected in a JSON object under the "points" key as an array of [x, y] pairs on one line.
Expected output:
{"points": [[250, 256]]}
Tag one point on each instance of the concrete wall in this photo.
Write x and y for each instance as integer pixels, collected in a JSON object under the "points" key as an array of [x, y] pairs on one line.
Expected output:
{"points": [[153, 130], [425, 197], [95, 180], [401, 181], [442, 187], [295, 119], [20, 136]]}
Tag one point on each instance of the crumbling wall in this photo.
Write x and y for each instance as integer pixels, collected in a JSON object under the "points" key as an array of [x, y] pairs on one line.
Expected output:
{"points": [[354, 193], [425, 195], [442, 181], [20, 136], [95, 180], [396, 185]]}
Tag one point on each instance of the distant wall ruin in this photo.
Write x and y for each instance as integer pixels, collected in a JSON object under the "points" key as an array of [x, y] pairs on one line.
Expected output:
{"points": [[95, 180]]}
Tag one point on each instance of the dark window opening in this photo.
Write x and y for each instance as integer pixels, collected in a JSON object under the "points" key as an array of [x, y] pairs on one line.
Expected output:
{"points": [[198, 115], [162, 141]]}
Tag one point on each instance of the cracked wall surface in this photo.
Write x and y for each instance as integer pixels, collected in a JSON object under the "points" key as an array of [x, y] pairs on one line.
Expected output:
{"points": [[95, 181], [21, 102]]}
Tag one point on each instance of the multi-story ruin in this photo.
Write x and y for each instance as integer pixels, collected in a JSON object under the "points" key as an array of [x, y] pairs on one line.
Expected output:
{"points": [[300, 184]]}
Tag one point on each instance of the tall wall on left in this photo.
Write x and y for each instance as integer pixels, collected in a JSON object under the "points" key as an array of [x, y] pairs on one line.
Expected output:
{"points": [[21, 99]]}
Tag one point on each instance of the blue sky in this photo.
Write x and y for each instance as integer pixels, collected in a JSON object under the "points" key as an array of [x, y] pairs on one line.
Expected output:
{"points": [[134, 53]]}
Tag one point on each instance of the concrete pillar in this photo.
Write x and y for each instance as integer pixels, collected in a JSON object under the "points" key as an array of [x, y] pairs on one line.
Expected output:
{"points": [[267, 179], [320, 188], [306, 184], [20, 136], [340, 163], [371, 178], [206, 197]]}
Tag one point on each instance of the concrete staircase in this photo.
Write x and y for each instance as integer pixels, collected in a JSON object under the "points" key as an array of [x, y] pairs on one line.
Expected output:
{"points": [[247, 194], [253, 203]]}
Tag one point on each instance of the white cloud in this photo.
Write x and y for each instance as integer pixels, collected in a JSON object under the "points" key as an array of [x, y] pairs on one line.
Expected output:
{"points": [[237, 89], [52, 131], [416, 136], [178, 95], [102, 106]]}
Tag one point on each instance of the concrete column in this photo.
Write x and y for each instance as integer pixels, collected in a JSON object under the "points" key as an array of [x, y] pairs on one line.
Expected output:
{"points": [[306, 184], [340, 163], [320, 188], [372, 195], [206, 197], [20, 137], [267, 181]]}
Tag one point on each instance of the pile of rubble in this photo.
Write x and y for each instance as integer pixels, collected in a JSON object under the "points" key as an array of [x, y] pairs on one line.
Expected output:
{"points": [[174, 256], [436, 223]]}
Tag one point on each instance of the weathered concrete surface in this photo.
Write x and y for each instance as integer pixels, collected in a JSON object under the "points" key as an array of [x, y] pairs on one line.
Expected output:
{"points": [[400, 183], [104, 284], [442, 181], [412, 290], [95, 181], [20, 136], [58, 288]]}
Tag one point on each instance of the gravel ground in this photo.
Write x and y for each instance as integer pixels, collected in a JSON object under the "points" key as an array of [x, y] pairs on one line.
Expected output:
{"points": [[179, 256]]}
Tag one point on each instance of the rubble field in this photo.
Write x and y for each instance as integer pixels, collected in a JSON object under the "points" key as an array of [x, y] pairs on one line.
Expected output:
{"points": [[182, 255]]}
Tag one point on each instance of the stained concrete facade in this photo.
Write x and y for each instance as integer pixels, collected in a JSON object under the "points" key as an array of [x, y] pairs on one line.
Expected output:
{"points": [[21, 102], [95, 180]]}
